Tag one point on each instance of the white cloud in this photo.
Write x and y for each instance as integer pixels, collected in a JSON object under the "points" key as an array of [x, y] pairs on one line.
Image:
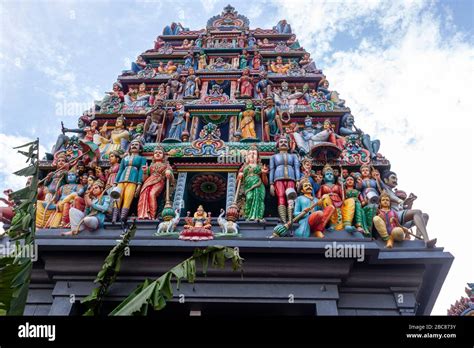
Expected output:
{"points": [[411, 89]]}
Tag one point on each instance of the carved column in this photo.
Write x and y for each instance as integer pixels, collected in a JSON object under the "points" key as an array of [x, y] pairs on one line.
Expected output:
{"points": [[231, 184], [232, 127], [179, 191]]}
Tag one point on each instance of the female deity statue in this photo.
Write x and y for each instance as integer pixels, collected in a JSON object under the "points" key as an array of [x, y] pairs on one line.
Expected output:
{"points": [[247, 122], [197, 227], [139, 98], [255, 178], [257, 61], [119, 137], [243, 59], [360, 221], [370, 193], [179, 122], [97, 204], [155, 181], [241, 40], [174, 88], [245, 84], [53, 182], [191, 88]]}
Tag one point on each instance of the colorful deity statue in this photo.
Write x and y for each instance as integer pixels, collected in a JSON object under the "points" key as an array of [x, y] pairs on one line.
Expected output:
{"points": [[111, 173], [202, 63], [155, 178], [257, 61], [348, 128], [263, 86], [186, 45], [247, 122], [311, 135], [332, 194], [68, 195], [129, 180], [191, 88], [307, 173], [179, 122], [189, 60], [113, 98], [323, 87], [254, 176], [360, 219], [284, 173], [278, 67], [308, 64], [197, 227], [282, 27], [387, 224], [170, 68], [139, 97], [138, 65], [272, 120], [174, 88], [119, 137], [243, 59], [370, 188], [315, 220], [283, 95], [402, 204], [53, 182], [97, 204], [245, 84]]}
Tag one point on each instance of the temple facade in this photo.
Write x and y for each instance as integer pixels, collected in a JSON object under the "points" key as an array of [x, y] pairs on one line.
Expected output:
{"points": [[232, 136]]}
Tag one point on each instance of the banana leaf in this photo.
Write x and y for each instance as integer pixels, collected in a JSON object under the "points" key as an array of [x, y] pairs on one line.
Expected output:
{"points": [[14, 283], [156, 293], [108, 273]]}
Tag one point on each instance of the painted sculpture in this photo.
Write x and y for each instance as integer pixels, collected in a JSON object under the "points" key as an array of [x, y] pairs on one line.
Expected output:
{"points": [[129, 180], [155, 177], [254, 176]]}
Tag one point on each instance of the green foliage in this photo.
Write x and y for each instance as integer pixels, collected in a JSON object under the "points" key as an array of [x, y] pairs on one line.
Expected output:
{"points": [[108, 273], [156, 293], [15, 272]]}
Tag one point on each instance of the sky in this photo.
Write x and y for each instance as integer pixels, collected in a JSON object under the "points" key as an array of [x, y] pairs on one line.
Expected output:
{"points": [[405, 68]]}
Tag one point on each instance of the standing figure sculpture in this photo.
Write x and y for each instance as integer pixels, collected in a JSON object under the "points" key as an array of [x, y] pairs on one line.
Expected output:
{"points": [[264, 86], [97, 204], [111, 173], [128, 180], [174, 87], [179, 122], [348, 128], [284, 173], [247, 122], [272, 123], [245, 84], [155, 177], [254, 176], [191, 88]]}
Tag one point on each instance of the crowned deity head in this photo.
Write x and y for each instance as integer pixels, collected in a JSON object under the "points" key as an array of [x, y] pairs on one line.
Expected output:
{"points": [[328, 174], [365, 171], [308, 122], [252, 156], [97, 187], [284, 86], [159, 154], [120, 122], [72, 176]]}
